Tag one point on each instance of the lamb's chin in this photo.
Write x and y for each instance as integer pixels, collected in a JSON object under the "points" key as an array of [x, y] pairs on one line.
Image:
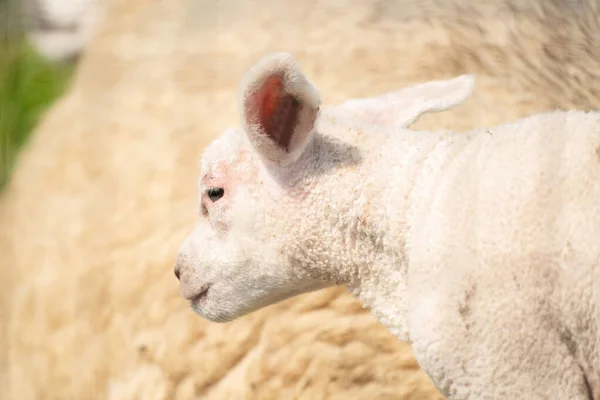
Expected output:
{"points": [[210, 306], [212, 316]]}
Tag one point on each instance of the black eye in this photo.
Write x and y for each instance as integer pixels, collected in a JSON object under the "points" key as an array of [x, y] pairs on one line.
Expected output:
{"points": [[215, 194]]}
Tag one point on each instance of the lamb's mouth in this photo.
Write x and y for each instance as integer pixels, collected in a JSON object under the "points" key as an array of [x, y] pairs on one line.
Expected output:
{"points": [[201, 295]]}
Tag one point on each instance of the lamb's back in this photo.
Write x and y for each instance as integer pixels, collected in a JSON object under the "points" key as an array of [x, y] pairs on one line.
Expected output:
{"points": [[529, 186]]}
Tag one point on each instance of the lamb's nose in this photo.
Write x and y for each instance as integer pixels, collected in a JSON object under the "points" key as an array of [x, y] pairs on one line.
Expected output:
{"points": [[177, 271]]}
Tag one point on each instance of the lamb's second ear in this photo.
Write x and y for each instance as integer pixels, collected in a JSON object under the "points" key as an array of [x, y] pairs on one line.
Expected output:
{"points": [[279, 108], [405, 106]]}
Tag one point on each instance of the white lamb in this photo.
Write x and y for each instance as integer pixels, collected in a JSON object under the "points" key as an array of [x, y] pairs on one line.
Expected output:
{"points": [[481, 249]]}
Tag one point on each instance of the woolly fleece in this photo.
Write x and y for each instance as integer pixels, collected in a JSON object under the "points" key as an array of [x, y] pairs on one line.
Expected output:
{"points": [[103, 194]]}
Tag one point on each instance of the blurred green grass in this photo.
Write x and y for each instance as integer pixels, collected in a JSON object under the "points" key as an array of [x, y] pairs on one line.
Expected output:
{"points": [[29, 84]]}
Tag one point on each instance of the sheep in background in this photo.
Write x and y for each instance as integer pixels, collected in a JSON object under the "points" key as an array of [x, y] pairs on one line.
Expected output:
{"points": [[61, 29], [100, 198], [481, 249]]}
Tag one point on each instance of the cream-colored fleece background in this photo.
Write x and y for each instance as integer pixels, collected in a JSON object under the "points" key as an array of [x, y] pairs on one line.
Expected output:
{"points": [[105, 192]]}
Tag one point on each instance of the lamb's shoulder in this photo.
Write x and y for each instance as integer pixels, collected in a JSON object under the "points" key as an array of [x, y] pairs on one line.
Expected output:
{"points": [[524, 189], [510, 213], [497, 322]]}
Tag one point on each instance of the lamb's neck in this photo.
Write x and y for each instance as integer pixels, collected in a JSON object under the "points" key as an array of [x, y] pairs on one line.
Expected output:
{"points": [[380, 272], [381, 280], [383, 290]]}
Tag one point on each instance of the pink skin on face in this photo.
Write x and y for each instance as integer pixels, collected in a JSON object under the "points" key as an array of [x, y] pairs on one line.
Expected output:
{"points": [[211, 181]]}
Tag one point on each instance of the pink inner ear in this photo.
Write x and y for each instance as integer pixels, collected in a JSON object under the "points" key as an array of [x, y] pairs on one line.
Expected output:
{"points": [[278, 111]]}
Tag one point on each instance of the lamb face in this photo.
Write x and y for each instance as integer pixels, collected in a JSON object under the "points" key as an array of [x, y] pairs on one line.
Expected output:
{"points": [[271, 191], [233, 262]]}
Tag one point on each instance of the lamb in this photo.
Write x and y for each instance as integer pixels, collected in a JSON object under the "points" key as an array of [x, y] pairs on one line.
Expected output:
{"points": [[479, 249]]}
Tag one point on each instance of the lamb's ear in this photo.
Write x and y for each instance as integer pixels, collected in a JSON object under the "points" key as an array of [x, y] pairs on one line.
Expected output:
{"points": [[279, 108], [405, 106]]}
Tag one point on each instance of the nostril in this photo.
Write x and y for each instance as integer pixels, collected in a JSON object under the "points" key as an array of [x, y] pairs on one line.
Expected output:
{"points": [[177, 273]]}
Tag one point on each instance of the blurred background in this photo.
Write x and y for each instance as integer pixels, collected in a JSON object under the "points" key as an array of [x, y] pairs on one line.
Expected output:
{"points": [[29, 81], [105, 109]]}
